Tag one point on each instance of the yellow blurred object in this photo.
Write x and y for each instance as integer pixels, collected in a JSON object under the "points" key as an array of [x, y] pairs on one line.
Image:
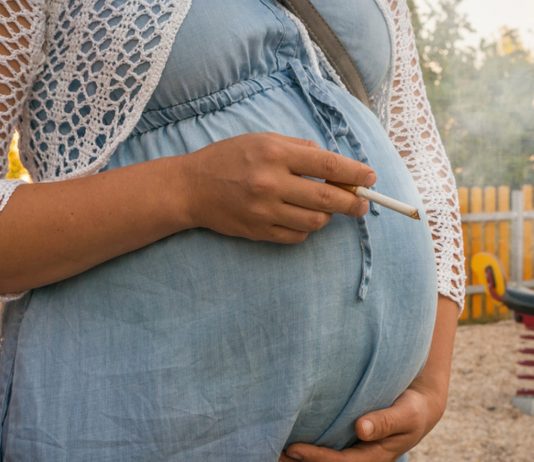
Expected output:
{"points": [[16, 170], [510, 43], [479, 263]]}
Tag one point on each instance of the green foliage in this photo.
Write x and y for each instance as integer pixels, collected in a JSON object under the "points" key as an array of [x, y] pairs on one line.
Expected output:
{"points": [[482, 98]]}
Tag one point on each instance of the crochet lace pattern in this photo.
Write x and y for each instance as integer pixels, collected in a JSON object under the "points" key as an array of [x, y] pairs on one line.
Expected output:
{"points": [[75, 77], [22, 28], [412, 128]]}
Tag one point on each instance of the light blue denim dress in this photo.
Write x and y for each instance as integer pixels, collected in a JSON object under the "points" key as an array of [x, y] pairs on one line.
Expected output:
{"points": [[203, 347]]}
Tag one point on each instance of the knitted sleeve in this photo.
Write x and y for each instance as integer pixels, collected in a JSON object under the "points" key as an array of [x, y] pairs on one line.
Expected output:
{"points": [[22, 24], [413, 131]]}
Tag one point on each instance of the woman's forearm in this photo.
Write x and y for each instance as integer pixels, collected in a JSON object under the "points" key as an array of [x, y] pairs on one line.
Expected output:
{"points": [[436, 373], [51, 231], [248, 186]]}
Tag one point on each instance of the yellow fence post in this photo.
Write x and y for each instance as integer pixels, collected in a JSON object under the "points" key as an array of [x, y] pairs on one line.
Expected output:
{"points": [[528, 248], [503, 205], [491, 307], [475, 204], [463, 198]]}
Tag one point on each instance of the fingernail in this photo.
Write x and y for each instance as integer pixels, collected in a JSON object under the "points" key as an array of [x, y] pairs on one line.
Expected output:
{"points": [[368, 427], [363, 207], [370, 179], [294, 455]]}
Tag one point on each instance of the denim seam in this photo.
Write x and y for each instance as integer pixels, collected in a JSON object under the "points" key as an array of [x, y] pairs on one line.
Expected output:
{"points": [[283, 35]]}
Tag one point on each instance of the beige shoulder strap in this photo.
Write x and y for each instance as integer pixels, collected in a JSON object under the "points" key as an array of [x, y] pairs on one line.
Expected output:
{"points": [[322, 34]]}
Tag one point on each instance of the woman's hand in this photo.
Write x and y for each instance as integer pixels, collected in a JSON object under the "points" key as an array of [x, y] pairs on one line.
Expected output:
{"points": [[389, 433], [253, 186], [385, 434]]}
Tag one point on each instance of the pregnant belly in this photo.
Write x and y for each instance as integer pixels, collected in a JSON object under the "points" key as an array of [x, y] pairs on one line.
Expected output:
{"points": [[206, 341]]}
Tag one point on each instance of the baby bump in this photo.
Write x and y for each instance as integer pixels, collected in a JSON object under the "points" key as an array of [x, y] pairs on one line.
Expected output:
{"points": [[201, 332], [219, 339]]}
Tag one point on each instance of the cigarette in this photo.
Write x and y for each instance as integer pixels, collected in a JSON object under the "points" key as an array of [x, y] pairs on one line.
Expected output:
{"points": [[381, 199]]}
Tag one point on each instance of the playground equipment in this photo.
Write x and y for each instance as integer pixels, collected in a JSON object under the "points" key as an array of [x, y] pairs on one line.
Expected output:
{"points": [[521, 301]]}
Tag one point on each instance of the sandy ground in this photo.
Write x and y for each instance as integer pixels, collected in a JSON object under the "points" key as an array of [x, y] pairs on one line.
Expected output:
{"points": [[481, 424]]}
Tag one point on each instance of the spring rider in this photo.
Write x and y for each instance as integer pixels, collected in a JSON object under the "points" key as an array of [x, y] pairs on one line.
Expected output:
{"points": [[521, 301]]}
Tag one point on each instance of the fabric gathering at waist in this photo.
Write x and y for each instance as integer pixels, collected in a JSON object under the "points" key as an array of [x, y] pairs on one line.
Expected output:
{"points": [[237, 92]]}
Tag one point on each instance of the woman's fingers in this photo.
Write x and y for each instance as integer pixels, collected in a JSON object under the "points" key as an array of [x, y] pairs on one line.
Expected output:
{"points": [[283, 235], [285, 458], [407, 415], [252, 186], [315, 195], [301, 219], [381, 424], [310, 453], [320, 163], [292, 139], [384, 451]]}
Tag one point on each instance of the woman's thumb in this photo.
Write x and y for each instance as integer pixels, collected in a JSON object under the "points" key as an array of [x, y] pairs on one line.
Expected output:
{"points": [[380, 424]]}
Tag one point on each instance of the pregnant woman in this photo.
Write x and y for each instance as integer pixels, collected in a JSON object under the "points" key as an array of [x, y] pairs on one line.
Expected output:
{"points": [[184, 285]]}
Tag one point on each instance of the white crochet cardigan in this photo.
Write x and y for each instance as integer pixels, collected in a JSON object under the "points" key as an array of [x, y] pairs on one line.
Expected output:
{"points": [[69, 85]]}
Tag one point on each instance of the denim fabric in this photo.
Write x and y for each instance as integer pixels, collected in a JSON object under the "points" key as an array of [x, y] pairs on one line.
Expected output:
{"points": [[363, 32], [203, 347]]}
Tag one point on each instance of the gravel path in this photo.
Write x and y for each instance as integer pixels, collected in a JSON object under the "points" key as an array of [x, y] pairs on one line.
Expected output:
{"points": [[480, 424]]}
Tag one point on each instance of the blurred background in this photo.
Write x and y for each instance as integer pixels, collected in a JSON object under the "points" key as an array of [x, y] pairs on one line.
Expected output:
{"points": [[478, 63], [477, 59]]}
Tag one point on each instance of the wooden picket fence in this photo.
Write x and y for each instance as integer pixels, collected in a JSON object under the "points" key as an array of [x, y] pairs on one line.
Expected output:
{"points": [[499, 221]]}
